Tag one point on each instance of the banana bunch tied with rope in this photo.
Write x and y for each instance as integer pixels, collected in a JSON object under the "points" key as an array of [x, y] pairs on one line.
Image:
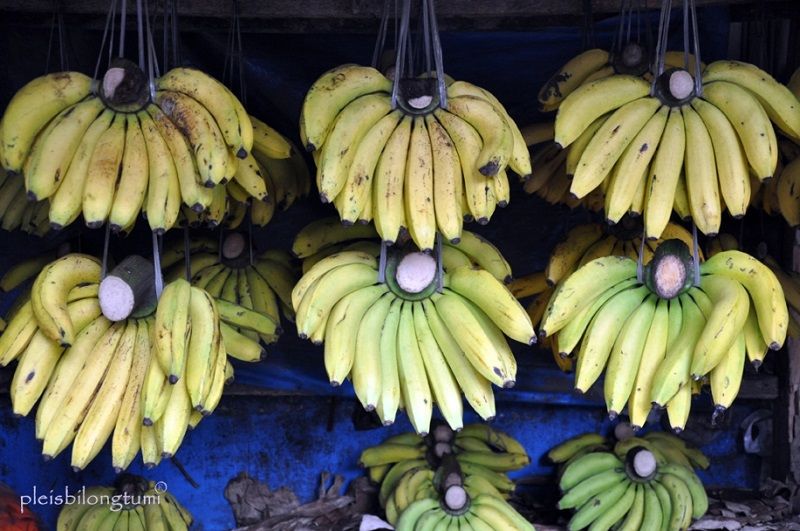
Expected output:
{"points": [[684, 152], [666, 447], [552, 180], [424, 169], [633, 487], [582, 244], [140, 380], [402, 342], [132, 504], [594, 64], [16, 213], [656, 333], [790, 281], [107, 150], [410, 468], [251, 296]]}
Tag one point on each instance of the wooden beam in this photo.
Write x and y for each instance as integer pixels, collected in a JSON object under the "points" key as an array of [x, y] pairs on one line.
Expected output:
{"points": [[348, 15]]}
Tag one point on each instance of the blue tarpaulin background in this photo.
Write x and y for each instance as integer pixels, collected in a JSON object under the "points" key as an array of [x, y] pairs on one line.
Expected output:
{"points": [[289, 440]]}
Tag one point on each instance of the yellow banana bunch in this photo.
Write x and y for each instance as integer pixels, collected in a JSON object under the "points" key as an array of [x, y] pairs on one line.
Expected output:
{"points": [[100, 149], [457, 478], [691, 153], [132, 504], [137, 381], [595, 64], [402, 341], [424, 171], [653, 339]]}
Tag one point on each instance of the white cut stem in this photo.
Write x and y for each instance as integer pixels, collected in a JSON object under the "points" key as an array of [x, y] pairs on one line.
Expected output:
{"points": [[681, 84], [455, 498], [415, 272], [116, 298], [644, 463], [112, 80]]}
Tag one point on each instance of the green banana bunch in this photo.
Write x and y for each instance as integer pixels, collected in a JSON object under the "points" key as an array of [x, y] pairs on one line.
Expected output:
{"points": [[361, 146], [251, 296], [631, 488], [402, 340], [667, 448], [132, 504], [654, 340], [413, 471]]}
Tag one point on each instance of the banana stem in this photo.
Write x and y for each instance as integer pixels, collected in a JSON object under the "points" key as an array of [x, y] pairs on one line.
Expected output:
{"points": [[128, 290]]}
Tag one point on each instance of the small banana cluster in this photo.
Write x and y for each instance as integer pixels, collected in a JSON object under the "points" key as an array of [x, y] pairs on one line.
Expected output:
{"points": [[248, 295], [682, 151], [105, 149], [402, 342], [448, 478], [654, 339], [666, 447], [422, 167], [634, 487], [141, 381], [137, 506], [780, 195], [595, 64], [583, 244], [550, 181], [16, 212]]}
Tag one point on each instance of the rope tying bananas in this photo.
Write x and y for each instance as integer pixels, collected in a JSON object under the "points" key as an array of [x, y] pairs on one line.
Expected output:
{"points": [[654, 339], [447, 478], [140, 381], [101, 148], [132, 504], [424, 172], [392, 341]]}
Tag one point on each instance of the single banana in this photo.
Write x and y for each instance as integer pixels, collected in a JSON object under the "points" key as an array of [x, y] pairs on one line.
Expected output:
{"points": [[665, 171], [330, 94]]}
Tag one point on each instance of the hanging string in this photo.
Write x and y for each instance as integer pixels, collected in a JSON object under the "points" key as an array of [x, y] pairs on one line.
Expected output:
{"points": [[123, 26], [380, 42], [159, 279], [698, 73], [695, 256], [106, 242], [250, 239], [640, 260], [439, 264], [108, 28], [382, 262], [438, 56]]}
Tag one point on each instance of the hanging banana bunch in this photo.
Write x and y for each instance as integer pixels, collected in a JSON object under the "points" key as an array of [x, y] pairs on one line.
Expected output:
{"points": [[108, 150], [105, 360], [654, 335], [583, 244], [448, 478], [404, 340]]}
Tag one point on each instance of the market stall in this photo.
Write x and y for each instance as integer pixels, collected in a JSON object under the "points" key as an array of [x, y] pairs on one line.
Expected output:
{"points": [[233, 250]]}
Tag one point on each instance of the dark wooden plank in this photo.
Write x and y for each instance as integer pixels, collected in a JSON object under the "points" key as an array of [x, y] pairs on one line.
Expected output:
{"points": [[356, 15]]}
